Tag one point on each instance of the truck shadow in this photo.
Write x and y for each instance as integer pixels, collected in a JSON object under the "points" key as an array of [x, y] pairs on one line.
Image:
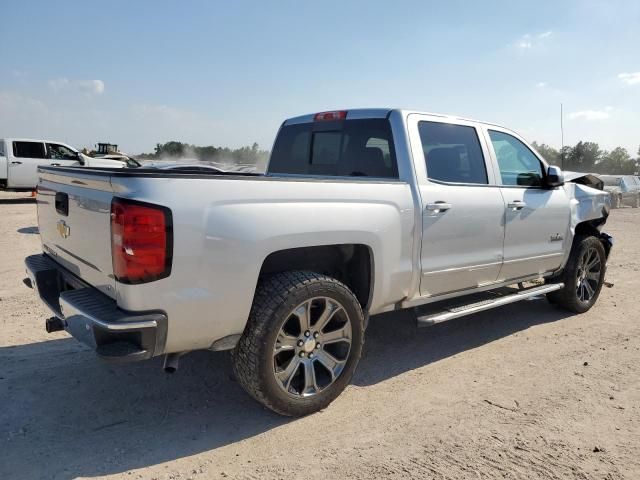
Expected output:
{"points": [[29, 230], [66, 414], [394, 345]]}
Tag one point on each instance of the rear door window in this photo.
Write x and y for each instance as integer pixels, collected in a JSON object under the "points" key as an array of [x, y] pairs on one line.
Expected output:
{"points": [[1, 148], [349, 148], [452, 153], [29, 150]]}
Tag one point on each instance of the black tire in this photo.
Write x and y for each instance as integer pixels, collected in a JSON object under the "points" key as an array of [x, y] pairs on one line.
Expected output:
{"points": [[568, 298], [254, 360]]}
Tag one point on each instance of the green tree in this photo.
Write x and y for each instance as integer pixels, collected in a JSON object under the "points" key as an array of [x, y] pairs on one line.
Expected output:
{"points": [[583, 157], [175, 150], [550, 154], [170, 149], [617, 162], [564, 155]]}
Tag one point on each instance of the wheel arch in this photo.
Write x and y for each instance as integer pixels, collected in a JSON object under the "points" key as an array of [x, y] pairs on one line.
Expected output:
{"points": [[590, 228], [351, 263]]}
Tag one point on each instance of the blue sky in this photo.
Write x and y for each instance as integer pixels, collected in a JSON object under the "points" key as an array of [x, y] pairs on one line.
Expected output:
{"points": [[227, 73]]}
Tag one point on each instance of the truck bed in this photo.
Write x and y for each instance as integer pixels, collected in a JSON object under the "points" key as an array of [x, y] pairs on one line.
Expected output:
{"points": [[224, 226]]}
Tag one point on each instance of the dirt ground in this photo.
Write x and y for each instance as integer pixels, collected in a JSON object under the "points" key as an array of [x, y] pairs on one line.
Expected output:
{"points": [[523, 392]]}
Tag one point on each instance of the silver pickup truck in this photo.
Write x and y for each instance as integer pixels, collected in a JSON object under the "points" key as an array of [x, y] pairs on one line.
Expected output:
{"points": [[360, 212]]}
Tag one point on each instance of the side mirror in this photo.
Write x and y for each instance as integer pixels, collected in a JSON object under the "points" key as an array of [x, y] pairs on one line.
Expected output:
{"points": [[555, 177]]}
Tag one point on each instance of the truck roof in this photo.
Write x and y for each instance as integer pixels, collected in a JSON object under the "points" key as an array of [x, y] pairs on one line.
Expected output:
{"points": [[14, 139], [358, 113]]}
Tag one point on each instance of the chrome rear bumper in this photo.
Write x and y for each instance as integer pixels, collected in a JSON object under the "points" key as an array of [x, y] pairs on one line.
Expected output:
{"points": [[93, 318]]}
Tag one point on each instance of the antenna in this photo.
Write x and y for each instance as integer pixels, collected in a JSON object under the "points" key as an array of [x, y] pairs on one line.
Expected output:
{"points": [[561, 139]]}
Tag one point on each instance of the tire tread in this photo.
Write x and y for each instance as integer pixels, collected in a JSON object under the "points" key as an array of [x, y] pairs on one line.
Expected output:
{"points": [[566, 298], [271, 293]]}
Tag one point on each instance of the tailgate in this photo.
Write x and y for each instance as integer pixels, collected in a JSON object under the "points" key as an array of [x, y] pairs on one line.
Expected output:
{"points": [[74, 219]]}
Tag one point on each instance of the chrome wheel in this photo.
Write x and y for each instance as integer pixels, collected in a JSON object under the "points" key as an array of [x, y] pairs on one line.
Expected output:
{"points": [[588, 275], [312, 347]]}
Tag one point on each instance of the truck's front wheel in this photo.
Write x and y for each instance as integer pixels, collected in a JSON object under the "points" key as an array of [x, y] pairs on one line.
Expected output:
{"points": [[583, 276], [301, 344]]}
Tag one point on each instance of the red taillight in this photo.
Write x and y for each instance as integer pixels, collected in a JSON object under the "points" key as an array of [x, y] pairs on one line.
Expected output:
{"points": [[326, 116], [141, 241]]}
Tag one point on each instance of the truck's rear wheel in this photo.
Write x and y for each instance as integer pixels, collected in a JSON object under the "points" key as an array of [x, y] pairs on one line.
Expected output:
{"points": [[301, 344], [583, 276]]}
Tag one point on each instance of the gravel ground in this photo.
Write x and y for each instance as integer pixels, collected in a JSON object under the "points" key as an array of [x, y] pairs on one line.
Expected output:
{"points": [[523, 392]]}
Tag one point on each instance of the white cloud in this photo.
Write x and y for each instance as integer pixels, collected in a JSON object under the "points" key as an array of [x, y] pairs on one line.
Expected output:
{"points": [[91, 87], [630, 78], [528, 41], [88, 87], [541, 84], [58, 84], [590, 115]]}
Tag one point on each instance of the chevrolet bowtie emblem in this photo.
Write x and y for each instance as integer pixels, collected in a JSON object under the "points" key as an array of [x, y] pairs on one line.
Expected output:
{"points": [[63, 229]]}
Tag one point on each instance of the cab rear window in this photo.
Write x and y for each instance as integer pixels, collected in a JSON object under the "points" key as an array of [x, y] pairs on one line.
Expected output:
{"points": [[349, 148]]}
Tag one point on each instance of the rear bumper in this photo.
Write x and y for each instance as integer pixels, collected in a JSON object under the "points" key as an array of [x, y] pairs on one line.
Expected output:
{"points": [[95, 319]]}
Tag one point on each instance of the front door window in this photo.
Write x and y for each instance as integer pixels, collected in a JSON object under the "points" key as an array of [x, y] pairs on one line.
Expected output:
{"points": [[60, 152], [518, 165]]}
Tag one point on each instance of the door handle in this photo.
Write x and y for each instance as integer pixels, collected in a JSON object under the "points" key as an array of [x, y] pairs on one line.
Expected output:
{"points": [[438, 206], [516, 205], [55, 164], [15, 162]]}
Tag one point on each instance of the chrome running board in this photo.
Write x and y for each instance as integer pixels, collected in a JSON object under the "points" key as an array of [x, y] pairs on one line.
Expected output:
{"points": [[492, 299]]}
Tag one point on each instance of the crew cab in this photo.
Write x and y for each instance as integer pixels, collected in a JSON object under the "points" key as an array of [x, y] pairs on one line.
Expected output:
{"points": [[21, 157], [360, 212]]}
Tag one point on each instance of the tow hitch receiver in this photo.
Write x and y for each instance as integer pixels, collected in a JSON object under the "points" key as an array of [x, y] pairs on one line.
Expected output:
{"points": [[53, 324]]}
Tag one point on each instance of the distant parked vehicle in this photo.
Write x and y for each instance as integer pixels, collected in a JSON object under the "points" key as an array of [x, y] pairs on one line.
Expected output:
{"points": [[109, 151], [624, 190], [21, 157]]}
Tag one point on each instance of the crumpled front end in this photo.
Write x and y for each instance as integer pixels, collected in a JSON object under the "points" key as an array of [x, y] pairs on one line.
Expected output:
{"points": [[590, 209], [588, 204]]}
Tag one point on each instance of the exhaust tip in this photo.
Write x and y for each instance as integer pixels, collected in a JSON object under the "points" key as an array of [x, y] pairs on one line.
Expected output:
{"points": [[53, 324], [171, 361]]}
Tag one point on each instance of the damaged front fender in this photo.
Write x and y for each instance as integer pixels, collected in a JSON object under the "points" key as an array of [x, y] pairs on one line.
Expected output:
{"points": [[587, 205], [590, 209]]}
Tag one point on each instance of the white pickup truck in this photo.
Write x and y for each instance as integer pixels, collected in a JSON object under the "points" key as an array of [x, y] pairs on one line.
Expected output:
{"points": [[21, 157], [360, 212]]}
